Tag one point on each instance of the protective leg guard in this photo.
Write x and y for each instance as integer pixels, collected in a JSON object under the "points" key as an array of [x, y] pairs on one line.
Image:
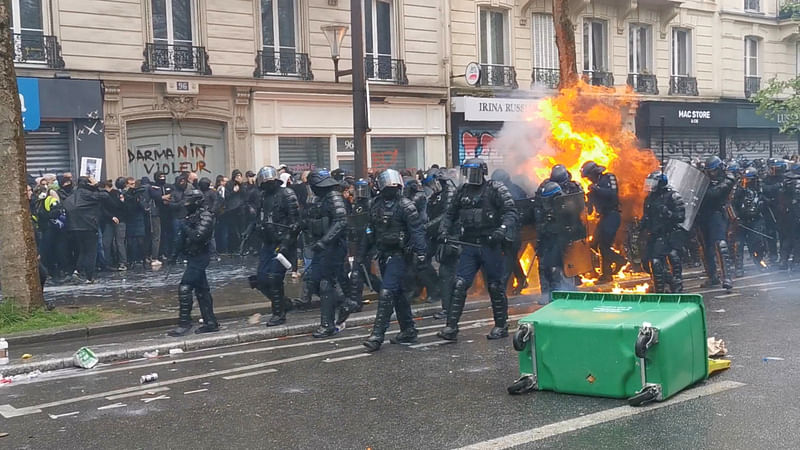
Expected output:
{"points": [[450, 332], [738, 258], [497, 295], [275, 293], [658, 272], [206, 303], [382, 317], [327, 310], [676, 266], [184, 311], [723, 258]]}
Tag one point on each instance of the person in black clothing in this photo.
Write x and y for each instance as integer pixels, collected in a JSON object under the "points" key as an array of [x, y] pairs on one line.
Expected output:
{"points": [[603, 197], [192, 240], [789, 199], [121, 227], [713, 223], [664, 211], [82, 209], [235, 209], [136, 200], [161, 193], [512, 254], [442, 191], [394, 227], [748, 207], [177, 208], [65, 186]]}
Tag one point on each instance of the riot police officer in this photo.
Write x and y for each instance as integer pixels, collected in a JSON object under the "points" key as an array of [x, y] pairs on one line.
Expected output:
{"points": [[604, 198], [394, 226], [422, 275], [563, 177], [488, 219], [192, 240], [713, 223], [441, 194], [790, 204], [357, 221], [664, 211], [277, 223], [747, 205], [325, 226], [771, 184]]}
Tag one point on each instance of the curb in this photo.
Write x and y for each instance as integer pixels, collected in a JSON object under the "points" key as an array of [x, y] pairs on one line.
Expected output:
{"points": [[247, 335]]}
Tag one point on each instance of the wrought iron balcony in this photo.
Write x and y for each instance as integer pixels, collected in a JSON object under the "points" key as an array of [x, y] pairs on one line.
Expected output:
{"points": [[175, 58], [598, 78], [751, 86], [643, 83], [384, 68], [683, 85], [285, 63], [547, 77], [34, 48], [498, 76]]}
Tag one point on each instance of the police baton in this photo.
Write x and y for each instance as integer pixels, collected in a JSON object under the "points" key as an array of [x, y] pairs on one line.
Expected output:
{"points": [[755, 231], [468, 244]]}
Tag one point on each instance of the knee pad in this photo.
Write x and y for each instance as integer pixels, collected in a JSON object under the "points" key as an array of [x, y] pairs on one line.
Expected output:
{"points": [[184, 289], [722, 246], [460, 287], [657, 265], [385, 295], [496, 290]]}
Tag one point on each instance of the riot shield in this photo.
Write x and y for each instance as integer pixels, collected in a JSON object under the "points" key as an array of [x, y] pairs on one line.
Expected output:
{"points": [[691, 183], [578, 258], [567, 213]]}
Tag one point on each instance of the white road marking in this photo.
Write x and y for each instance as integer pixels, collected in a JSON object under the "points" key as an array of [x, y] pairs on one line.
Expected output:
{"points": [[137, 393], [345, 358], [115, 405], [57, 416], [152, 399], [578, 423], [195, 391], [728, 295], [773, 288], [249, 374], [749, 286], [432, 344]]}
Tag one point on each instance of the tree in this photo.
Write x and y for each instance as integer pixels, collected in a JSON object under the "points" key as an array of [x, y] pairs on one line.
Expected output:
{"points": [[780, 101], [565, 42], [19, 267]]}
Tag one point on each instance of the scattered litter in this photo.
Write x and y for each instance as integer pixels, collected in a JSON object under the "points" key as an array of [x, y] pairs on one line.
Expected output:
{"points": [[5, 380], [148, 378], [719, 310], [34, 374], [175, 351], [153, 354], [716, 347], [85, 358], [717, 365], [772, 358], [2, 435], [373, 398], [255, 319], [27, 356]]}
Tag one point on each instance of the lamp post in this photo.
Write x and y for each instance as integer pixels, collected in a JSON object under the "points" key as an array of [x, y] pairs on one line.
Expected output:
{"points": [[335, 35]]}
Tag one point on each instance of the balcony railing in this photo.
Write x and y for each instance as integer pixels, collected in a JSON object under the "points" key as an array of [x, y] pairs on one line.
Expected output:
{"points": [[598, 78], [683, 85], [34, 48], [175, 58], [285, 63], [545, 77], [498, 76], [751, 86], [643, 83], [384, 68]]}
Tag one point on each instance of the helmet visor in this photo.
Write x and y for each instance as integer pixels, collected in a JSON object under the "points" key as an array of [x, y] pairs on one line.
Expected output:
{"points": [[362, 190], [266, 174], [390, 178], [472, 174], [650, 184]]}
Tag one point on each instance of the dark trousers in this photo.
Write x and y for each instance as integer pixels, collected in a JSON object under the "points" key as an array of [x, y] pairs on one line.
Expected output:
{"points": [[550, 252], [155, 236], [512, 264], [473, 259], [713, 229], [86, 242], [167, 236], [604, 236]]}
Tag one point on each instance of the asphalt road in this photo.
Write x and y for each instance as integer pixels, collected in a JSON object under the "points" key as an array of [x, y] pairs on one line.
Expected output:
{"points": [[306, 393]]}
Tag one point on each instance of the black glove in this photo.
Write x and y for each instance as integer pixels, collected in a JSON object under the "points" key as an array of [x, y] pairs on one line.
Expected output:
{"points": [[419, 262], [318, 247], [498, 236], [442, 238]]}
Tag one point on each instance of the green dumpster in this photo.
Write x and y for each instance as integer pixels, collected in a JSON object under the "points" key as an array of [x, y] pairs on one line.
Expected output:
{"points": [[642, 347]]}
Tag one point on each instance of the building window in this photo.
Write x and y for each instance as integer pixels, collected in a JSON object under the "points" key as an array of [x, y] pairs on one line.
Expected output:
{"points": [[681, 52], [545, 52], [397, 153], [751, 56], [173, 22], [279, 38], [379, 46], [752, 5], [595, 45], [304, 153], [494, 39], [640, 52], [26, 17]]}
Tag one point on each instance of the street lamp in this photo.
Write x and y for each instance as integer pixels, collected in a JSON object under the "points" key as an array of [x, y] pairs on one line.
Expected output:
{"points": [[335, 35]]}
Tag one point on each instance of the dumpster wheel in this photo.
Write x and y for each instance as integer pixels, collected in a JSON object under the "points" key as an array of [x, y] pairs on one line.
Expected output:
{"points": [[522, 386], [645, 396], [521, 337]]}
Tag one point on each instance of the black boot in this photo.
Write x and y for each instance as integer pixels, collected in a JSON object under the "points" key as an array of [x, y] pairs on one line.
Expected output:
{"points": [[405, 337], [450, 331], [676, 284], [657, 274], [304, 302], [184, 312], [382, 317], [723, 258], [327, 311], [499, 301], [275, 290], [408, 331], [206, 304]]}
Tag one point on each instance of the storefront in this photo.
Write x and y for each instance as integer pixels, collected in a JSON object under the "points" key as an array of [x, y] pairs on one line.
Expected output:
{"points": [[62, 122], [726, 129], [306, 131], [476, 122]]}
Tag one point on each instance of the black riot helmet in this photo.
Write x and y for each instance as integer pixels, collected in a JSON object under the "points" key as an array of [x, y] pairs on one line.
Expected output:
{"points": [[390, 183], [204, 184], [474, 171], [431, 182], [559, 174], [268, 179], [714, 166], [750, 178], [361, 189], [501, 175], [778, 167], [551, 189], [656, 181], [193, 200], [592, 170], [338, 174], [321, 181]]}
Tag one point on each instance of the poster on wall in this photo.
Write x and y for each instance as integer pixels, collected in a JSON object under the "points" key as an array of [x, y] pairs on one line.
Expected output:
{"points": [[91, 167], [478, 143]]}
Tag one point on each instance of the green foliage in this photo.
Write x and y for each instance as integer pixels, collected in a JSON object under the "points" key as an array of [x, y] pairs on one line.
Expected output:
{"points": [[790, 8], [13, 318], [780, 101]]}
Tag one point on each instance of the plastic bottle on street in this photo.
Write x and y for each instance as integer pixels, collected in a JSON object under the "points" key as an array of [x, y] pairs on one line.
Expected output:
{"points": [[148, 378], [3, 352]]}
